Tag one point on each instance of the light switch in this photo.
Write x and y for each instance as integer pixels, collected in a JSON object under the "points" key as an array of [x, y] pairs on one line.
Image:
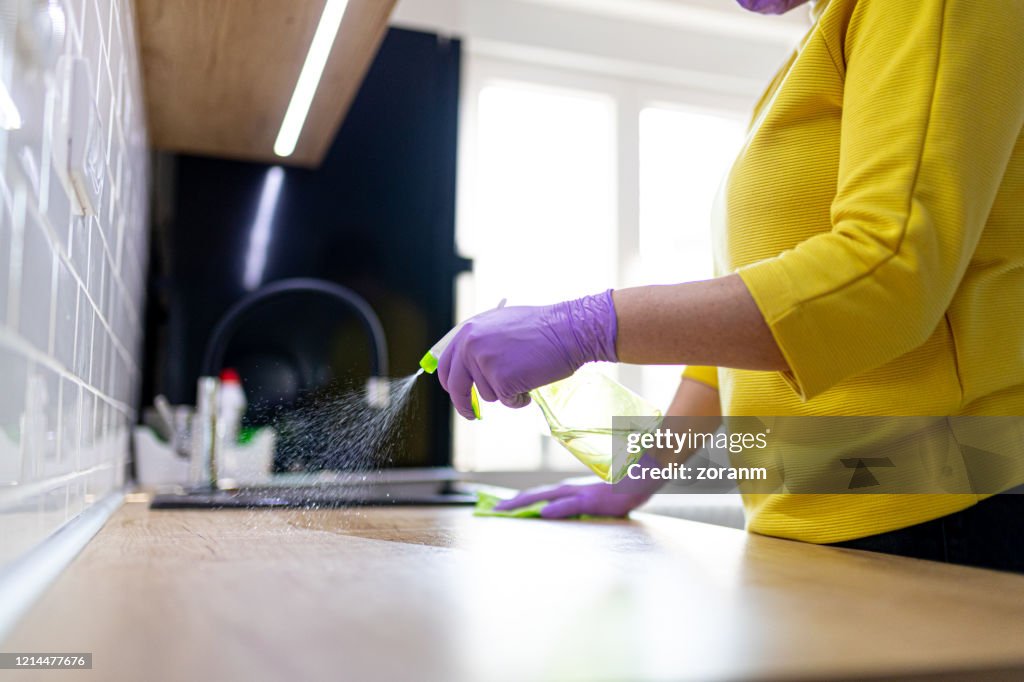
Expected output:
{"points": [[78, 137]]}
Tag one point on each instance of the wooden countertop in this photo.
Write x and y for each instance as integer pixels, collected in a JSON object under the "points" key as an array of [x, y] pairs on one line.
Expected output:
{"points": [[437, 594]]}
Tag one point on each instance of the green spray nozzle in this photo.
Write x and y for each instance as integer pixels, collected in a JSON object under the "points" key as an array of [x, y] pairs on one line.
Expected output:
{"points": [[429, 361], [429, 365]]}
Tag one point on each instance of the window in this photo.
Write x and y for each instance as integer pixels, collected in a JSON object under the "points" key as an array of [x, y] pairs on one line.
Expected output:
{"points": [[684, 156], [542, 217], [571, 184]]}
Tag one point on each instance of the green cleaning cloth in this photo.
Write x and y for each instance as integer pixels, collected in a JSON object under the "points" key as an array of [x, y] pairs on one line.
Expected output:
{"points": [[485, 507]]}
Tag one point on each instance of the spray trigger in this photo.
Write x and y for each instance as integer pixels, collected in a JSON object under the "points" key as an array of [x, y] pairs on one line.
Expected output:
{"points": [[429, 361], [429, 365]]}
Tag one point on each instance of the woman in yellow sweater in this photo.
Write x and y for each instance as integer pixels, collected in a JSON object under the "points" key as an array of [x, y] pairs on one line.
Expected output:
{"points": [[872, 232]]}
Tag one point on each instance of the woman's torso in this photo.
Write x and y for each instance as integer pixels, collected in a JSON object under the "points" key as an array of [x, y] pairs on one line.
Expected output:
{"points": [[780, 193]]}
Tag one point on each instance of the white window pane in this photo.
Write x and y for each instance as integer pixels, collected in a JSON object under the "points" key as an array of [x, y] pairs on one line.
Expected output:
{"points": [[540, 227], [544, 199], [684, 156]]}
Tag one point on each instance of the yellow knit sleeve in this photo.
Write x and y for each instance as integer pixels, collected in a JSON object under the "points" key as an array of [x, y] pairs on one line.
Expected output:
{"points": [[933, 104], [705, 375]]}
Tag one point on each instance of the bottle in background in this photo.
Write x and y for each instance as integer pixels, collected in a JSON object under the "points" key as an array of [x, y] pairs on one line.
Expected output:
{"points": [[232, 406]]}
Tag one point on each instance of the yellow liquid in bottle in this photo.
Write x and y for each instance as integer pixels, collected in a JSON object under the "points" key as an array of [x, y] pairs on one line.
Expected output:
{"points": [[573, 405], [593, 448]]}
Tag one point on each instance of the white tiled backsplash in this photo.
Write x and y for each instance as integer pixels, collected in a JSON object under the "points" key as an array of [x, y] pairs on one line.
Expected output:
{"points": [[71, 286]]}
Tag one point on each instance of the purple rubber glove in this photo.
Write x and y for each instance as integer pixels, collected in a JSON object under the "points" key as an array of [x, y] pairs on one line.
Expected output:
{"points": [[508, 352], [593, 499], [770, 6]]}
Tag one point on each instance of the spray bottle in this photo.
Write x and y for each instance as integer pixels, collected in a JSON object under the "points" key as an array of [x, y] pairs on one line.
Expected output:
{"points": [[231, 407], [578, 410], [429, 363]]}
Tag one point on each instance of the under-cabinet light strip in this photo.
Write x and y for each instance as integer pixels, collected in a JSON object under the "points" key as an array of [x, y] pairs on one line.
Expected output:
{"points": [[309, 77]]}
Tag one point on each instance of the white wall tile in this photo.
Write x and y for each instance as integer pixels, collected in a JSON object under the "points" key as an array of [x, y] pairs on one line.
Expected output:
{"points": [[92, 39], [39, 435], [70, 286], [70, 423], [83, 337], [87, 430], [66, 316], [94, 278], [6, 234], [14, 370], [36, 285], [79, 248]]}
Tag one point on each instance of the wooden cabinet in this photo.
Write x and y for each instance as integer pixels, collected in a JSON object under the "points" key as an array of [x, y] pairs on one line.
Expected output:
{"points": [[218, 74]]}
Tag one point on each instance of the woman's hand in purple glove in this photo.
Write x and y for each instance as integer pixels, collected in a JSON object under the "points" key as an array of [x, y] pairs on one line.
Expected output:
{"points": [[593, 499], [508, 352]]}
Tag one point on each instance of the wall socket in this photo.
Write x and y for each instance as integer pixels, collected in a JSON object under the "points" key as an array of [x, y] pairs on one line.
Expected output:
{"points": [[77, 137]]}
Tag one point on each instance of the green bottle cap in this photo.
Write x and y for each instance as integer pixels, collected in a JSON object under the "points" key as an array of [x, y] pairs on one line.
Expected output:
{"points": [[428, 363]]}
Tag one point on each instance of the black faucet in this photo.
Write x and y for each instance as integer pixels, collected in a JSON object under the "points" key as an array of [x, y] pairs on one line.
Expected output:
{"points": [[213, 357], [204, 439]]}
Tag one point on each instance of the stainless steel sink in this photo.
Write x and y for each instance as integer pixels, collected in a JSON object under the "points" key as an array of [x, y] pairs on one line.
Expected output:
{"points": [[439, 486]]}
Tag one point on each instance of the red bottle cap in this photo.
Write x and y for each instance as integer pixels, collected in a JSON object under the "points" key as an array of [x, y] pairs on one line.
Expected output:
{"points": [[229, 376]]}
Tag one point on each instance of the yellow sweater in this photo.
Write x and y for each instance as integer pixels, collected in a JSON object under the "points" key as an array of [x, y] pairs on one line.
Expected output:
{"points": [[876, 213]]}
